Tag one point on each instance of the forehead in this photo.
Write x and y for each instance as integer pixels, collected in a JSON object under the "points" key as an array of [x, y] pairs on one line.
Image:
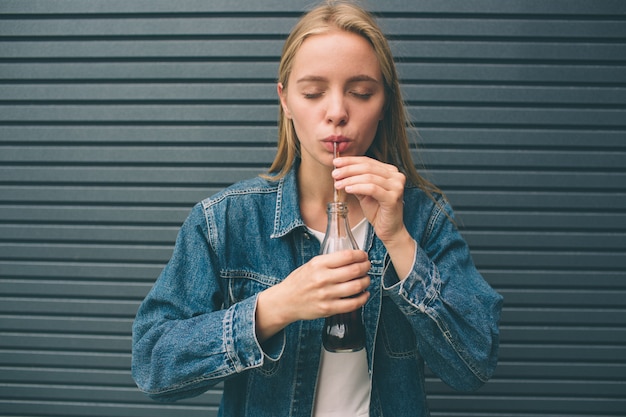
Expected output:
{"points": [[335, 54]]}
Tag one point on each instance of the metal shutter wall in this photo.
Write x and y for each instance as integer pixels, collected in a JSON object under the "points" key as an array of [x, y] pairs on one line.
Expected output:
{"points": [[117, 116]]}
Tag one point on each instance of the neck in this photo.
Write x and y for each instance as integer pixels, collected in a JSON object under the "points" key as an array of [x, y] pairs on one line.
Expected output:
{"points": [[315, 183], [316, 191]]}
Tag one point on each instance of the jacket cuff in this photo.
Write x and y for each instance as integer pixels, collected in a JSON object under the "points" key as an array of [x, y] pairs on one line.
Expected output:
{"points": [[273, 348], [242, 346], [421, 285], [239, 336]]}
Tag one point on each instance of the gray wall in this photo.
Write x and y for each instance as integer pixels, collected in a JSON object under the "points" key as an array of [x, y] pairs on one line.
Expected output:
{"points": [[117, 116]]}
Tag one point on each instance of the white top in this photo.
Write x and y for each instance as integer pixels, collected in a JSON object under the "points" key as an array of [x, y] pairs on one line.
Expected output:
{"points": [[343, 384]]}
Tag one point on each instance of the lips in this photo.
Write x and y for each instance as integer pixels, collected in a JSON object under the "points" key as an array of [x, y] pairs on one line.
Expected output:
{"points": [[342, 143]]}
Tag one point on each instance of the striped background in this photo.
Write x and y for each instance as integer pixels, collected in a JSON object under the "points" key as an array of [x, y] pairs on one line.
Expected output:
{"points": [[116, 116]]}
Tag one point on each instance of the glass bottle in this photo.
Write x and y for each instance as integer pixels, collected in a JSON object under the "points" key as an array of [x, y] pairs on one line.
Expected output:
{"points": [[342, 332]]}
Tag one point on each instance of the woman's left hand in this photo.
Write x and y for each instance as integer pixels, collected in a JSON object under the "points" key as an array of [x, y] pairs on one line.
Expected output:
{"points": [[380, 190]]}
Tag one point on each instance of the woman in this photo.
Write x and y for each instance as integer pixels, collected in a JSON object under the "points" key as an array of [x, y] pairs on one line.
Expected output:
{"points": [[244, 295]]}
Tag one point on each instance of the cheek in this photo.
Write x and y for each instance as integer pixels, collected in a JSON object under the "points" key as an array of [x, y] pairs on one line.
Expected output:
{"points": [[304, 116], [293, 108], [376, 115], [301, 125]]}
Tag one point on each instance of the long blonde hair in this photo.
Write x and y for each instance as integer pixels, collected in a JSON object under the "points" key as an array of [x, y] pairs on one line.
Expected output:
{"points": [[391, 144]]}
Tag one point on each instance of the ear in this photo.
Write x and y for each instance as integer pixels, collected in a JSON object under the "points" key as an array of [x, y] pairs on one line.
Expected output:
{"points": [[282, 95]]}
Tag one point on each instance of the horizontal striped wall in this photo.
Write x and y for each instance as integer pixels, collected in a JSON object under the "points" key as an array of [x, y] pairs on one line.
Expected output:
{"points": [[117, 116]]}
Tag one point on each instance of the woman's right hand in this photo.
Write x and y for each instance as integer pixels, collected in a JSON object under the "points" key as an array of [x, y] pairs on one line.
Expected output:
{"points": [[326, 285]]}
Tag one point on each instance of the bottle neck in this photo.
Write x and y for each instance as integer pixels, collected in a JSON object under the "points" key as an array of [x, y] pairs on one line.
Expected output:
{"points": [[339, 207], [337, 219], [338, 234]]}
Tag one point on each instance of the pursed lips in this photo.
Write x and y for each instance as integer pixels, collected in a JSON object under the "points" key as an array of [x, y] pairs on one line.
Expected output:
{"points": [[341, 141]]}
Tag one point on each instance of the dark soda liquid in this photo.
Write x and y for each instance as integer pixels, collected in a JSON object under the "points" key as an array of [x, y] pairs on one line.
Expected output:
{"points": [[344, 332]]}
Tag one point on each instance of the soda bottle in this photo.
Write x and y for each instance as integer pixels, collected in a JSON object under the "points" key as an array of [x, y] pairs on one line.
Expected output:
{"points": [[342, 332]]}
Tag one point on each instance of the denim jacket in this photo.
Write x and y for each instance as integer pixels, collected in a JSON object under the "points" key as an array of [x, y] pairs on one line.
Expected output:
{"points": [[196, 327]]}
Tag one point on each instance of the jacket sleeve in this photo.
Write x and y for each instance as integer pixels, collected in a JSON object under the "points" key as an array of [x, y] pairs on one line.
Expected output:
{"points": [[452, 309], [184, 340]]}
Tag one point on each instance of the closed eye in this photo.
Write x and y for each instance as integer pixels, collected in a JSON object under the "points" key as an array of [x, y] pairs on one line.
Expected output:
{"points": [[311, 96], [362, 96]]}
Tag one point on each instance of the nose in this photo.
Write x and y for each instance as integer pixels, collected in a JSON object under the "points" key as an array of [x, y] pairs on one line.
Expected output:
{"points": [[336, 111]]}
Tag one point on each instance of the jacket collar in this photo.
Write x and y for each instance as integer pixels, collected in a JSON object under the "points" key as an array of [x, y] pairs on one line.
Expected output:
{"points": [[287, 215]]}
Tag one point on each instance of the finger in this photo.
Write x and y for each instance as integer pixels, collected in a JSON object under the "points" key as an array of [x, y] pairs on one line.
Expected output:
{"points": [[353, 287], [389, 182], [355, 160], [345, 289], [342, 258], [346, 305], [382, 190], [384, 175], [349, 273], [359, 165]]}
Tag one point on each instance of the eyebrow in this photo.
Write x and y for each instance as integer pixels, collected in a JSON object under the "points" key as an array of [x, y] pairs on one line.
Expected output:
{"points": [[356, 78]]}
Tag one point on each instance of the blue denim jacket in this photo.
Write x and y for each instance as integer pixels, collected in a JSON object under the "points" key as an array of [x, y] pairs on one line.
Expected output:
{"points": [[196, 326]]}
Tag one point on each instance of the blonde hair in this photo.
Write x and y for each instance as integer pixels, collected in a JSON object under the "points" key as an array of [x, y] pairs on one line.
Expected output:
{"points": [[391, 144]]}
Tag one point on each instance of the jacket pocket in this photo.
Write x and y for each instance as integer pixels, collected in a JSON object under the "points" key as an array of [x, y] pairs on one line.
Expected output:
{"points": [[396, 332], [244, 284]]}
